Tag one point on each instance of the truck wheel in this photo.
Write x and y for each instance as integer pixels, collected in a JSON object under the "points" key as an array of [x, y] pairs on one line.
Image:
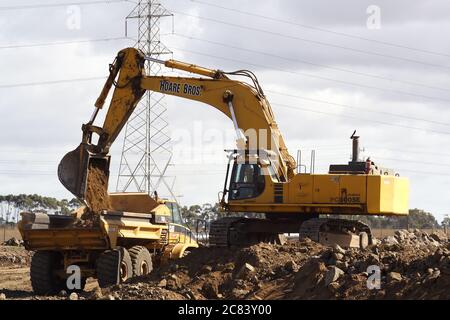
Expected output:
{"points": [[363, 240], [114, 267], [42, 272], [142, 261]]}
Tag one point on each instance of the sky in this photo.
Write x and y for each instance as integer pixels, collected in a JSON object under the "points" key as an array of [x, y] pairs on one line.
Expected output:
{"points": [[327, 67]]}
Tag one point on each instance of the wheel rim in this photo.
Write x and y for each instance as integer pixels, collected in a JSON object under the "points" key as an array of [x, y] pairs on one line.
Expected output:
{"points": [[123, 272], [144, 268]]}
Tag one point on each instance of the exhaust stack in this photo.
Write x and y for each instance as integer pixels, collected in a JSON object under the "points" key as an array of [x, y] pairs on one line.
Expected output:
{"points": [[355, 154]]}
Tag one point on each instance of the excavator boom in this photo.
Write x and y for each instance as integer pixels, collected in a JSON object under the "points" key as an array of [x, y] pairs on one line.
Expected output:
{"points": [[244, 104]]}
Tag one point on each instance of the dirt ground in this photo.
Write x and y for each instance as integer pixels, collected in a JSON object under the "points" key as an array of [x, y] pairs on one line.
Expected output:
{"points": [[8, 233], [412, 265]]}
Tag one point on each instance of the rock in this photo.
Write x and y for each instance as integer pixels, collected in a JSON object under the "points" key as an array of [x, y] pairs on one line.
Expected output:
{"points": [[338, 249], [374, 259], [62, 293], [2, 296], [246, 270], [434, 275], [229, 267], [399, 235], [162, 283], [338, 256], [73, 296], [334, 286], [13, 242], [439, 236], [303, 250], [97, 294], [210, 290], [332, 275], [173, 283], [390, 240], [343, 265], [394, 276], [240, 293], [111, 297], [206, 269], [292, 266]]}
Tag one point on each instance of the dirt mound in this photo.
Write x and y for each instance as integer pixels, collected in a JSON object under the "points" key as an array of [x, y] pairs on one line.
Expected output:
{"points": [[13, 242], [14, 256], [411, 265], [221, 273]]}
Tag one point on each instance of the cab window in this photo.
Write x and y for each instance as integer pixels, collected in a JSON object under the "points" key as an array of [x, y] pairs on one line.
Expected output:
{"points": [[176, 213], [247, 182]]}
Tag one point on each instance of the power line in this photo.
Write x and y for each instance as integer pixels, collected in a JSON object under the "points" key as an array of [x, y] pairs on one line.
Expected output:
{"points": [[323, 30], [415, 161], [318, 77], [32, 84], [281, 105], [427, 173], [58, 43], [53, 5], [321, 43], [227, 45], [357, 108], [357, 118], [248, 63], [415, 151]]}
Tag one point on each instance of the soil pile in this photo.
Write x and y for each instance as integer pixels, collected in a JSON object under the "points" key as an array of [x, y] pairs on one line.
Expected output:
{"points": [[14, 256], [411, 265], [97, 196]]}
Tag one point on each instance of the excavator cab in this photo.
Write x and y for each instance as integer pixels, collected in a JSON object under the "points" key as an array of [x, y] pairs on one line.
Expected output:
{"points": [[248, 175], [247, 181]]}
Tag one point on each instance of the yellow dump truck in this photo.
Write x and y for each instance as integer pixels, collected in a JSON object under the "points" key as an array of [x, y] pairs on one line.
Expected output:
{"points": [[137, 234]]}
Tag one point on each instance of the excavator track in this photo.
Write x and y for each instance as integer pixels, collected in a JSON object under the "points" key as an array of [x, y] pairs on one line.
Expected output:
{"points": [[238, 231], [219, 231], [312, 228]]}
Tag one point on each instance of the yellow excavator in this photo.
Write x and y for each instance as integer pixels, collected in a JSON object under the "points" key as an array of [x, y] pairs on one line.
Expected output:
{"points": [[262, 177]]}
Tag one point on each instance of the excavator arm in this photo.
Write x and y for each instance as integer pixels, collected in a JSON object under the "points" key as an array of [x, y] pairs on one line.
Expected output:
{"points": [[244, 104]]}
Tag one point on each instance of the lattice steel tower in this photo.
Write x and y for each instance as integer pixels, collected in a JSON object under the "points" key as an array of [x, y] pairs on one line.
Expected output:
{"points": [[147, 150]]}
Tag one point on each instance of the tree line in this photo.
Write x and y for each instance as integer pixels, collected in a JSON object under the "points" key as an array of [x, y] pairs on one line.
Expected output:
{"points": [[12, 205], [417, 218]]}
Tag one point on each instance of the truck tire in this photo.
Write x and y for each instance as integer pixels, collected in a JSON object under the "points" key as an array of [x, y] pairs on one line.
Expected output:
{"points": [[141, 260], [114, 267], [42, 272]]}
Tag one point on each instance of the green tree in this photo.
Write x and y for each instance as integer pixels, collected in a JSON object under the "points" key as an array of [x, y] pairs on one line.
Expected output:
{"points": [[446, 222], [421, 219]]}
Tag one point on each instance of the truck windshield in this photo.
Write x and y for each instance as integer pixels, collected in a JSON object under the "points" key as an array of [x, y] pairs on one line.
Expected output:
{"points": [[176, 213]]}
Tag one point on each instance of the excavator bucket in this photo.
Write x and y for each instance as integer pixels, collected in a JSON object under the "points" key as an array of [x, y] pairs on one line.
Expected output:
{"points": [[74, 168]]}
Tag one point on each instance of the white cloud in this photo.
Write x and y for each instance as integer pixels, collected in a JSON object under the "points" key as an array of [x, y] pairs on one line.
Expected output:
{"points": [[41, 123]]}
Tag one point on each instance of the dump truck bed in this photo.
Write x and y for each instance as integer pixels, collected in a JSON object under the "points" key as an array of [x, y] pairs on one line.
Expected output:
{"points": [[50, 232]]}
